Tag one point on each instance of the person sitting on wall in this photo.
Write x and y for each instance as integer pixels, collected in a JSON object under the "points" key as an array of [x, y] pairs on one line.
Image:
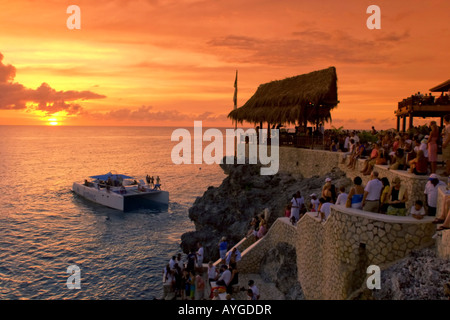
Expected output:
{"points": [[254, 226], [417, 210], [361, 148], [356, 194], [399, 160], [262, 230], [349, 152], [369, 163], [419, 165], [342, 197], [398, 196], [384, 195]]}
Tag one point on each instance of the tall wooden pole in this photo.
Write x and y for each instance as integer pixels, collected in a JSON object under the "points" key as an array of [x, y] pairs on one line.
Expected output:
{"points": [[235, 107]]}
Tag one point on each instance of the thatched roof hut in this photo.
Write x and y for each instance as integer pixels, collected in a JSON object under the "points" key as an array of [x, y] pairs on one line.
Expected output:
{"points": [[300, 99], [443, 87]]}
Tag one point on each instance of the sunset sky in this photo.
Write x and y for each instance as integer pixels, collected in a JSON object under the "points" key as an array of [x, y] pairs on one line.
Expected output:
{"points": [[170, 62]]}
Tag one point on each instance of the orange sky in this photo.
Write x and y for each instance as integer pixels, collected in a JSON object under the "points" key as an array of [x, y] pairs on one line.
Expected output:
{"points": [[170, 62]]}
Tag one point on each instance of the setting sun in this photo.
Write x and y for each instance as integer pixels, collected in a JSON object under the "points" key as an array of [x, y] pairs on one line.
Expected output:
{"points": [[53, 122]]}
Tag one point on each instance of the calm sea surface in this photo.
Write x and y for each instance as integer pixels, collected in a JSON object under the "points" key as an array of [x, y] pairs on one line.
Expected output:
{"points": [[44, 227]]}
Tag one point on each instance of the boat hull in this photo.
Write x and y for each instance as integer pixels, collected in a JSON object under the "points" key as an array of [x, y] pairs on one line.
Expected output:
{"points": [[132, 200]]}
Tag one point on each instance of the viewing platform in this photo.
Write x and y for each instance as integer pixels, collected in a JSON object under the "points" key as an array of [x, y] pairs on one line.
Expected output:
{"points": [[424, 106]]}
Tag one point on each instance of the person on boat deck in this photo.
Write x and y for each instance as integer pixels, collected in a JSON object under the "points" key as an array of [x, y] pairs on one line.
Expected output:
{"points": [[152, 182], [109, 182], [158, 183]]}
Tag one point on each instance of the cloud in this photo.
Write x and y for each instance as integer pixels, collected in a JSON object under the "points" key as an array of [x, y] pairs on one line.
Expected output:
{"points": [[15, 96], [309, 46], [147, 113], [7, 72]]}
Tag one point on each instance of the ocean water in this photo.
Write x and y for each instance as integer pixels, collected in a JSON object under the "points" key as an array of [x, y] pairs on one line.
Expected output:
{"points": [[45, 227]]}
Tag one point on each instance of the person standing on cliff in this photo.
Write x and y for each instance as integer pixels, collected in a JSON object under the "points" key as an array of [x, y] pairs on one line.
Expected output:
{"points": [[199, 255], [297, 204], [223, 247]]}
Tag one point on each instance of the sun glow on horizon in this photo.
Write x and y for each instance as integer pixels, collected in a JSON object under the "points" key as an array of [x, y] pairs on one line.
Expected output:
{"points": [[53, 122]]}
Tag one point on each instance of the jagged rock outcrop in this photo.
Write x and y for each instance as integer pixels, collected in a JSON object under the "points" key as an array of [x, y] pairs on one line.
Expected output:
{"points": [[421, 276], [279, 266], [228, 209]]}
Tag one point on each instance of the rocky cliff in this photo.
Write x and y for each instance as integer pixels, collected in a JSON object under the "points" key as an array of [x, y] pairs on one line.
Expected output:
{"points": [[421, 276]]}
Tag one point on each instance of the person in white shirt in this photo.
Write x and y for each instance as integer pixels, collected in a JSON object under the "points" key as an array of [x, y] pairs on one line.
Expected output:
{"points": [[347, 143], [297, 204], [350, 149], [431, 190], [324, 208], [212, 272], [254, 288], [172, 263], [372, 193], [417, 210], [199, 255], [225, 277], [314, 202], [342, 197], [424, 146], [168, 282]]}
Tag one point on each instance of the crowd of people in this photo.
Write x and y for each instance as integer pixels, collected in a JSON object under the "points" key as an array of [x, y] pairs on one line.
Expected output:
{"points": [[379, 195], [424, 99], [185, 278], [416, 153]]}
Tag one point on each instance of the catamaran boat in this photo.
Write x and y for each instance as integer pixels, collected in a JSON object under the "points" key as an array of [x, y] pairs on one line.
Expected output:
{"points": [[122, 192]]}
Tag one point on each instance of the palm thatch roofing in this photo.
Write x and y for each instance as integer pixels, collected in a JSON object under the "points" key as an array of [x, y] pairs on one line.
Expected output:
{"points": [[308, 97], [443, 87]]}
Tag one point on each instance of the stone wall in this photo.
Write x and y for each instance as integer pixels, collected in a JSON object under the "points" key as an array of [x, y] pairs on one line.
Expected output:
{"points": [[281, 231], [443, 238], [332, 257], [307, 162]]}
